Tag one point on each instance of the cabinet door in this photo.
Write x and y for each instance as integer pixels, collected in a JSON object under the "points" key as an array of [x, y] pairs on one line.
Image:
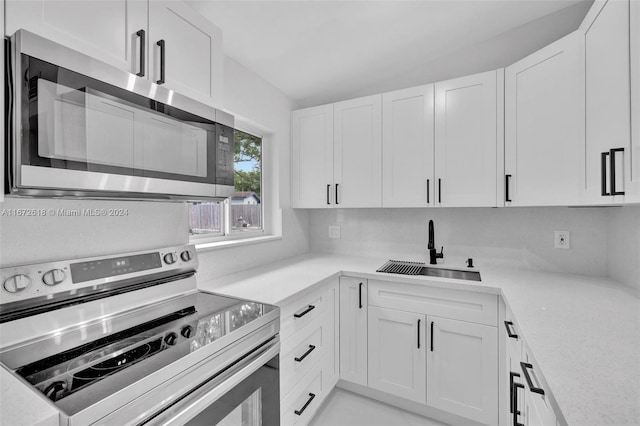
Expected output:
{"points": [[544, 125], [462, 369], [466, 141], [312, 157], [332, 336], [634, 157], [512, 366], [407, 147], [103, 29], [607, 101], [353, 330], [358, 152], [397, 353], [193, 56]]}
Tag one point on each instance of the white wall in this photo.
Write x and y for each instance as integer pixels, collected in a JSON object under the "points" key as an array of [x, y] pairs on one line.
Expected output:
{"points": [[623, 240], [151, 225], [511, 237]]}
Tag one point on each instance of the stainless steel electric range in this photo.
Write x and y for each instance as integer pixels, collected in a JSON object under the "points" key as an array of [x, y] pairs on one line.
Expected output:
{"points": [[128, 339]]}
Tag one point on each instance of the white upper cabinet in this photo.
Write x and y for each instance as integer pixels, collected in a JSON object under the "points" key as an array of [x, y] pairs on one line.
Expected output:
{"points": [[358, 152], [193, 58], [407, 148], [126, 34], [466, 111], [545, 125], [634, 189], [312, 157], [608, 127], [104, 29]]}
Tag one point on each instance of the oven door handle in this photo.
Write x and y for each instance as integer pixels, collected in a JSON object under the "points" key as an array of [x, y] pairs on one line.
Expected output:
{"points": [[194, 403]]}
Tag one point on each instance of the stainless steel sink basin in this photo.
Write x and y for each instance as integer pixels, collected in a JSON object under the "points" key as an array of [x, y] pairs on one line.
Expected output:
{"points": [[450, 273], [419, 268]]}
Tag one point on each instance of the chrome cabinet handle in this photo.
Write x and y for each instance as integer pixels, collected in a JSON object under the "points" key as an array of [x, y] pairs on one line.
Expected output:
{"points": [[143, 47], [305, 312], [508, 325], [306, 404], [161, 44], [525, 369], [304, 355]]}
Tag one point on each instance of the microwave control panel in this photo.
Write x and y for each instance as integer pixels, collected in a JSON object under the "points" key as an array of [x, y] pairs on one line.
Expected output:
{"points": [[225, 152]]}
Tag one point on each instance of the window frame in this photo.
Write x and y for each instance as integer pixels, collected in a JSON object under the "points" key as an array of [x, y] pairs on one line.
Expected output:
{"points": [[210, 240]]}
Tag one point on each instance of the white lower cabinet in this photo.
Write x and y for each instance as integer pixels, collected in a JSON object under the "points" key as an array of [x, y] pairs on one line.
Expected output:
{"points": [[353, 330], [308, 354], [391, 342], [462, 369], [397, 353]]}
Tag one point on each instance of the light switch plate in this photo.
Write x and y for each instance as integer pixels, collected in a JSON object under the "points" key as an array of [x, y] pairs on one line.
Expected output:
{"points": [[334, 231]]}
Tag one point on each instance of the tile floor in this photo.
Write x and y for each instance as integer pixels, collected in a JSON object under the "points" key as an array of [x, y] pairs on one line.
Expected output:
{"points": [[344, 408]]}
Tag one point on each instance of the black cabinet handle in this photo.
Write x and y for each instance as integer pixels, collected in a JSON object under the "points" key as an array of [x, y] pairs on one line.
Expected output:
{"points": [[511, 391], [305, 312], [428, 185], [160, 43], [507, 178], [328, 188], [508, 325], [431, 336], [306, 404], [603, 174], [612, 169], [418, 334], [304, 355], [143, 47], [516, 386], [337, 194], [360, 296], [525, 369], [439, 190]]}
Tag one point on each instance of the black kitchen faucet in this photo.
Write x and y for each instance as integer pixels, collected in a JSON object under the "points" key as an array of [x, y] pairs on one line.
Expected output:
{"points": [[433, 253]]}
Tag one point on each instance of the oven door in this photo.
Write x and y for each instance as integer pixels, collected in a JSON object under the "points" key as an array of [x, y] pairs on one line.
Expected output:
{"points": [[247, 393], [84, 127]]}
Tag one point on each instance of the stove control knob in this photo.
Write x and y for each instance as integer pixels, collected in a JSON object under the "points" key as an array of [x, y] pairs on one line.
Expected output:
{"points": [[186, 331], [55, 390], [54, 277], [171, 339], [170, 258], [17, 283], [186, 255]]}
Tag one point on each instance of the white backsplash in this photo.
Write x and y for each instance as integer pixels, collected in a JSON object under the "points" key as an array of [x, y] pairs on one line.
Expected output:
{"points": [[511, 237]]}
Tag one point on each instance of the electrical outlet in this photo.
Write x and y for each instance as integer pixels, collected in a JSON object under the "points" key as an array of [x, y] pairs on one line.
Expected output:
{"points": [[562, 240], [334, 231]]}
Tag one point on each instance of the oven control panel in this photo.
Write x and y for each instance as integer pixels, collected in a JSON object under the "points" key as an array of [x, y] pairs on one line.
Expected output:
{"points": [[46, 279]]}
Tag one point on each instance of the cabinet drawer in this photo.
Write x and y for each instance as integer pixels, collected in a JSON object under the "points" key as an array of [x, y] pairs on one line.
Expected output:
{"points": [[538, 407], [468, 306], [296, 315], [299, 355], [299, 406]]}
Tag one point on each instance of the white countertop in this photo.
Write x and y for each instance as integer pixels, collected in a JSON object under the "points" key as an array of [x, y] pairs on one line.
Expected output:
{"points": [[584, 331]]}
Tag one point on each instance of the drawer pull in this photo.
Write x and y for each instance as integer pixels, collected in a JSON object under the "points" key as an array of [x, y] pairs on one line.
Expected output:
{"points": [[305, 312], [304, 355], [525, 369], [516, 385], [511, 334], [306, 404]]}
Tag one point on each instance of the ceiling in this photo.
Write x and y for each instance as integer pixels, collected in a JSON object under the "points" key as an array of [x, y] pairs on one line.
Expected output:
{"points": [[324, 51]]}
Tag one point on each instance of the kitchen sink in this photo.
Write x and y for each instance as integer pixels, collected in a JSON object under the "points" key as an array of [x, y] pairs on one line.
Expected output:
{"points": [[419, 268]]}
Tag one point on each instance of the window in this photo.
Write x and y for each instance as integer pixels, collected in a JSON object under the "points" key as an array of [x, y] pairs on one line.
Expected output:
{"points": [[243, 212]]}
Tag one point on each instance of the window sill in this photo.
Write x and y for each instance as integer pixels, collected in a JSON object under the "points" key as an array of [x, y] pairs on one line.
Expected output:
{"points": [[217, 245]]}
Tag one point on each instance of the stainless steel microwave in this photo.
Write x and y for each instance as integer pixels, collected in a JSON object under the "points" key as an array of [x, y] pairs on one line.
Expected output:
{"points": [[81, 127]]}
